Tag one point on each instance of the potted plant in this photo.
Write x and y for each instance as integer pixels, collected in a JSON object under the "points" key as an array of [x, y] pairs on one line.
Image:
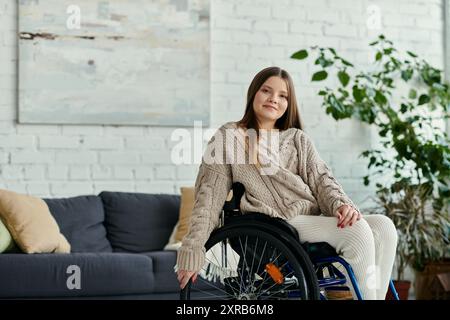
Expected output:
{"points": [[421, 225], [407, 101]]}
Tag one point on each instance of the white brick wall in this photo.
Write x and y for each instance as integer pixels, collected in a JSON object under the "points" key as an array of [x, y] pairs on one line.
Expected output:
{"points": [[246, 36]]}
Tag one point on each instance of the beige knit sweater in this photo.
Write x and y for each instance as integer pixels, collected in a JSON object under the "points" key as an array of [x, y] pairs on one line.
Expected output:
{"points": [[302, 185]]}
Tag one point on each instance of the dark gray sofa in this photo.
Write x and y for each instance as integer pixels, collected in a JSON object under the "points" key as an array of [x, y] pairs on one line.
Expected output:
{"points": [[117, 241]]}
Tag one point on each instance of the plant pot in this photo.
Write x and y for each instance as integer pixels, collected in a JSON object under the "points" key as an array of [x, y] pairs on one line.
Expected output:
{"points": [[433, 282], [402, 287]]}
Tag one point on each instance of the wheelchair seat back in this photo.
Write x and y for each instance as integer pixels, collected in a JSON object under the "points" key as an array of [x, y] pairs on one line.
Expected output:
{"points": [[234, 215]]}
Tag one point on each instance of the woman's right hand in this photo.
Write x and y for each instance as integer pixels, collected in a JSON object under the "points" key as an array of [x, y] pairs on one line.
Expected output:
{"points": [[184, 276]]}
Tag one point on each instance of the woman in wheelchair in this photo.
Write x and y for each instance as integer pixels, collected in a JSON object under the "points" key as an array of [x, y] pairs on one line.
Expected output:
{"points": [[292, 223]]}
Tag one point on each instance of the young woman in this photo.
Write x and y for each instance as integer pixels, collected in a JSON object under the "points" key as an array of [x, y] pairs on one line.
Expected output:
{"points": [[301, 190]]}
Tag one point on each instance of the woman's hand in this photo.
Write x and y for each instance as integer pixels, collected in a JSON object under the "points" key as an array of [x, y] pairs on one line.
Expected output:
{"points": [[346, 215], [184, 276]]}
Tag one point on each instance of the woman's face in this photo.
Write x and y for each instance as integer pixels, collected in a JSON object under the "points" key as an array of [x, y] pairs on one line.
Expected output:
{"points": [[271, 100]]}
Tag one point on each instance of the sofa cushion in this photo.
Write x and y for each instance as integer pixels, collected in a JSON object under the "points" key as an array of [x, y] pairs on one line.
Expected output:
{"points": [[139, 222], [163, 270], [55, 275], [166, 277], [81, 221]]}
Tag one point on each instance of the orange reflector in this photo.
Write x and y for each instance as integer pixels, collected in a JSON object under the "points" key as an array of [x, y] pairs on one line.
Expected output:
{"points": [[274, 273]]}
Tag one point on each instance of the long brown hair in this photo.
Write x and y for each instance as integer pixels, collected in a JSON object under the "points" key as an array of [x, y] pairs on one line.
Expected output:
{"points": [[291, 117]]}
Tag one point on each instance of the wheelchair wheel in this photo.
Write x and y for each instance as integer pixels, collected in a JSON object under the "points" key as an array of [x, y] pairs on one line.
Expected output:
{"points": [[245, 263]]}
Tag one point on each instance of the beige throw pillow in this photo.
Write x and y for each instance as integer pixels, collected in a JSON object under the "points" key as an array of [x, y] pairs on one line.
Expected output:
{"points": [[31, 224]]}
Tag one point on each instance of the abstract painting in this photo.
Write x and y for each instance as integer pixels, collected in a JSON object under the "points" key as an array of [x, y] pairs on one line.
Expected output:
{"points": [[119, 62]]}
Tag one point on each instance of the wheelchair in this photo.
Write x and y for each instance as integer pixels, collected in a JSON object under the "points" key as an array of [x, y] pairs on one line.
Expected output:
{"points": [[256, 257]]}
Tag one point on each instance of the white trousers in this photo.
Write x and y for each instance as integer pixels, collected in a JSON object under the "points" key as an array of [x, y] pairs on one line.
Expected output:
{"points": [[369, 246]]}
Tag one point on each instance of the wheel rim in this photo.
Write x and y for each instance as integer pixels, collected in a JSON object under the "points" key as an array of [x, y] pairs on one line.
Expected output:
{"points": [[246, 264]]}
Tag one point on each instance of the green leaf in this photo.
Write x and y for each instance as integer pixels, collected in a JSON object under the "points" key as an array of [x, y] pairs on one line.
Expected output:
{"points": [[344, 94], [324, 62], [322, 93], [300, 55], [430, 75], [378, 56], [412, 94], [366, 180], [383, 132], [372, 161], [344, 78], [346, 63], [423, 99], [403, 108], [380, 98], [373, 43], [319, 76], [357, 94], [411, 54], [407, 74]]}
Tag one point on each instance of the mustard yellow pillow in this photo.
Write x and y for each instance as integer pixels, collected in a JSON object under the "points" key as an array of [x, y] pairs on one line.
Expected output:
{"points": [[182, 227], [31, 224], [186, 207]]}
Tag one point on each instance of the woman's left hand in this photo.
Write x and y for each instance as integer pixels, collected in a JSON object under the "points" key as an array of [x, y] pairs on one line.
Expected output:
{"points": [[346, 215]]}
